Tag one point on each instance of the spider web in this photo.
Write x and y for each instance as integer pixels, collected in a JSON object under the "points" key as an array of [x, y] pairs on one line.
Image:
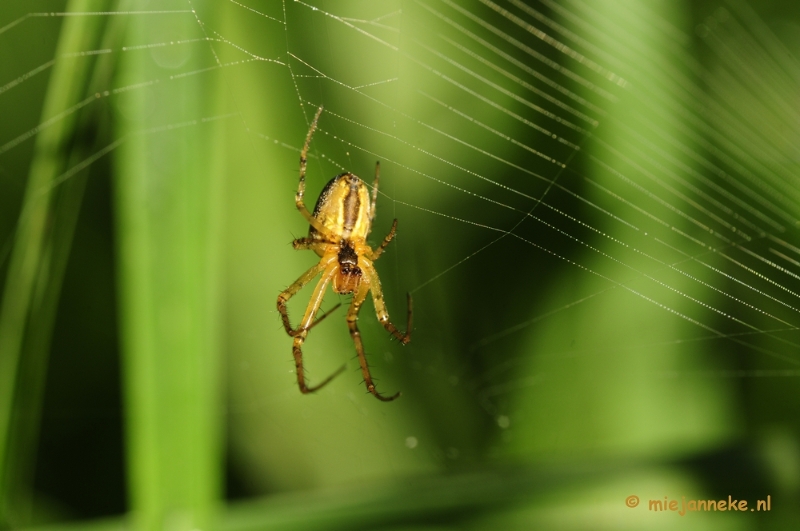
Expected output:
{"points": [[590, 199]]}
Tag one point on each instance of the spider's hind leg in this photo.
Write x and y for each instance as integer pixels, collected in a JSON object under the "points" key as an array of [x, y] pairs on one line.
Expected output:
{"points": [[375, 191], [303, 244], [301, 185], [386, 241]]}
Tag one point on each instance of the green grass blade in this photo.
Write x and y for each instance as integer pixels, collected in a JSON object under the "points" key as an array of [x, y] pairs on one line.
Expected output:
{"points": [[166, 205], [38, 259]]}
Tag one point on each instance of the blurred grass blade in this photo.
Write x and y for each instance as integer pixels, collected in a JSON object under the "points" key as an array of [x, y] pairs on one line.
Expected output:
{"points": [[39, 256], [166, 206]]}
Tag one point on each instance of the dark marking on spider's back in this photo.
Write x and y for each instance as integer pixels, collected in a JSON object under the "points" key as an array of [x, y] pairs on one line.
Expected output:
{"points": [[352, 205], [325, 194], [323, 203]]}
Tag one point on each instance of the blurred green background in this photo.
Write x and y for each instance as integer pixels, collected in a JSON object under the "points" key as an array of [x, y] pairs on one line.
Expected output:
{"points": [[633, 334]]}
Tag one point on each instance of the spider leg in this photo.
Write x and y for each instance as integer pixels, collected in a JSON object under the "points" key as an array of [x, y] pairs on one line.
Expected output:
{"points": [[352, 318], [380, 306], [301, 187], [292, 290], [372, 208], [303, 244], [389, 237], [324, 315], [307, 324]]}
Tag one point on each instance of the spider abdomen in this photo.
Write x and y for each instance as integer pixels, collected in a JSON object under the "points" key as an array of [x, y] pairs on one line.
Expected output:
{"points": [[344, 207]]}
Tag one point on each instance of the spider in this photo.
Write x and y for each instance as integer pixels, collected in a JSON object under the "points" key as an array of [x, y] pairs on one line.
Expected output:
{"points": [[338, 230]]}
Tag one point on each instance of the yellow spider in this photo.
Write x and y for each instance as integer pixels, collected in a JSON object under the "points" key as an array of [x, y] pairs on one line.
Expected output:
{"points": [[338, 231]]}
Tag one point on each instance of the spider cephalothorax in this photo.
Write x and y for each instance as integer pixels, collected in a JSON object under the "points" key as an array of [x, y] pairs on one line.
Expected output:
{"points": [[338, 230], [349, 275]]}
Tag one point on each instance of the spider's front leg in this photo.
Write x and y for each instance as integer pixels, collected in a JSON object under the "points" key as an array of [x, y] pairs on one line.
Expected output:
{"points": [[352, 318], [330, 267], [380, 306], [292, 290]]}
